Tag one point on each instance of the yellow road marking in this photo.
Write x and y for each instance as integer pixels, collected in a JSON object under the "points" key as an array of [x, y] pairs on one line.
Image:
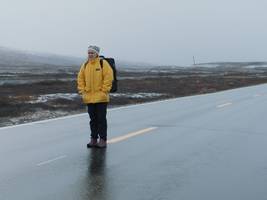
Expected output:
{"points": [[129, 135]]}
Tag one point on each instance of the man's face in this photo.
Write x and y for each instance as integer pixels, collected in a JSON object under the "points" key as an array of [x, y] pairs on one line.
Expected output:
{"points": [[92, 55]]}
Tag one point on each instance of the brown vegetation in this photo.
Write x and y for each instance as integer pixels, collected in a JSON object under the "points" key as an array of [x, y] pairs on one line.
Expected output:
{"points": [[15, 99]]}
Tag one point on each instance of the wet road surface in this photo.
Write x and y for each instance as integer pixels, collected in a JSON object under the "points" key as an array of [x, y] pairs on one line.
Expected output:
{"points": [[200, 147]]}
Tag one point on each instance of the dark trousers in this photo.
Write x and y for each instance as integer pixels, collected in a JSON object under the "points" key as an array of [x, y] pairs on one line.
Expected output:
{"points": [[98, 120]]}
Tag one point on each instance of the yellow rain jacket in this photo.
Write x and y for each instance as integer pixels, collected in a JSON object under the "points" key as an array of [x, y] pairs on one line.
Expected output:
{"points": [[94, 82]]}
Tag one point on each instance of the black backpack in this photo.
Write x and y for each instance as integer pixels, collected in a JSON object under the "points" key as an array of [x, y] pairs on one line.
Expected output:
{"points": [[112, 64]]}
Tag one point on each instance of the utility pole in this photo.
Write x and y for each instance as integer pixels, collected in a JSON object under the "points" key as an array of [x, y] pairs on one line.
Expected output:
{"points": [[194, 61]]}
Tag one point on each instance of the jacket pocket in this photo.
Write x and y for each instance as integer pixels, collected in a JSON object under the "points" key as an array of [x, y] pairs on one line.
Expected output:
{"points": [[87, 90], [103, 96], [83, 96]]}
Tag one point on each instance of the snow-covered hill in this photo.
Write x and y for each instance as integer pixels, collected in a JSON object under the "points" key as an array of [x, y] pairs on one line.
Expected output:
{"points": [[25, 59], [19, 58]]}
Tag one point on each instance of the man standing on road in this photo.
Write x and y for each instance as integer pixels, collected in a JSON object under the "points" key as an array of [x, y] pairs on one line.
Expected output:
{"points": [[94, 84]]}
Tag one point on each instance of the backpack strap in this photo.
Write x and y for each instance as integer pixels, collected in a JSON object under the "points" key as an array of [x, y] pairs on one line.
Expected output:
{"points": [[101, 63]]}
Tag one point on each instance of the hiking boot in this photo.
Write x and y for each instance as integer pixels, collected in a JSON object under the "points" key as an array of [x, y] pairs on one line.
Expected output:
{"points": [[92, 143], [102, 144]]}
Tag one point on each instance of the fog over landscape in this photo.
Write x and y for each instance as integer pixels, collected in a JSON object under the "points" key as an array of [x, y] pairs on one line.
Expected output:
{"points": [[156, 32]]}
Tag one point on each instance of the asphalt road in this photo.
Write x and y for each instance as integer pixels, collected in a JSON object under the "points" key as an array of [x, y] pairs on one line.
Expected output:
{"points": [[208, 147]]}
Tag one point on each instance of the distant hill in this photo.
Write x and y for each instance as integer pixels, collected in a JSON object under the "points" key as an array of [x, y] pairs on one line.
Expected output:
{"points": [[17, 57], [32, 60]]}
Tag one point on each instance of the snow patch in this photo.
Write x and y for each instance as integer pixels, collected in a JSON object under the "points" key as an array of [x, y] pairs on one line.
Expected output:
{"points": [[254, 66], [71, 96], [49, 97]]}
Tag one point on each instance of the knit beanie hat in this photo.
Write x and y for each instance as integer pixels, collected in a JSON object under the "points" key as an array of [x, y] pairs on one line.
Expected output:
{"points": [[94, 48]]}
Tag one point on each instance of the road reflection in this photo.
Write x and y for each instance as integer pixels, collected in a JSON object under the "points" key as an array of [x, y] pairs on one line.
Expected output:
{"points": [[97, 183]]}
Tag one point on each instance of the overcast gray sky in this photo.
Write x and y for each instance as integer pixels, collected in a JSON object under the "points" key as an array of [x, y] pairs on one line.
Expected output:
{"points": [[152, 31]]}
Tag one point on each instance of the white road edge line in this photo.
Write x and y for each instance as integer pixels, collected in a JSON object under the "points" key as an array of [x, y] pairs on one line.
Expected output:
{"points": [[224, 105], [51, 160], [129, 135]]}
